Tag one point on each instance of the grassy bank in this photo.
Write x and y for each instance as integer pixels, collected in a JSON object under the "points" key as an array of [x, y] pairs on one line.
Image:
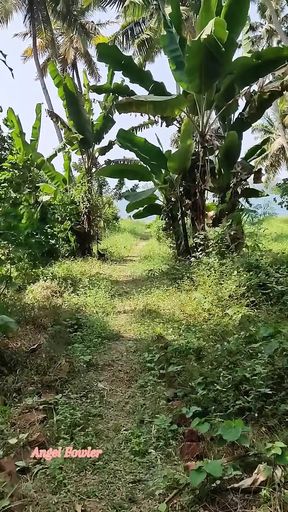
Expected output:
{"points": [[125, 355]]}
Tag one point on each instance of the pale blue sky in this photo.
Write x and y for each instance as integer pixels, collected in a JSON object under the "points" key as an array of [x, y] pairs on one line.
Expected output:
{"points": [[24, 92]]}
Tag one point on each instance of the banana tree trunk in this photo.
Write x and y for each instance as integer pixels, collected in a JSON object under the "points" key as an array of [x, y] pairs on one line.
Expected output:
{"points": [[86, 247], [40, 75], [276, 22]]}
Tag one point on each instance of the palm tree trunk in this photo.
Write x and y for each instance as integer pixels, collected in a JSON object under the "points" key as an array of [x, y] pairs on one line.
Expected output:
{"points": [[40, 74], [276, 22]]}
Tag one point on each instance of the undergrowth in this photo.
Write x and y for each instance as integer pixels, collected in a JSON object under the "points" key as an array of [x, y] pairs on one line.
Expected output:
{"points": [[207, 340]]}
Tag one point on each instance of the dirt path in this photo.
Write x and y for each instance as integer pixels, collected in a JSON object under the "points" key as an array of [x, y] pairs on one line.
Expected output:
{"points": [[127, 468]]}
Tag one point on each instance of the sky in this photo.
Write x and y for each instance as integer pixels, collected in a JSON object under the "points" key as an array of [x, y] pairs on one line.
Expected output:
{"points": [[23, 92]]}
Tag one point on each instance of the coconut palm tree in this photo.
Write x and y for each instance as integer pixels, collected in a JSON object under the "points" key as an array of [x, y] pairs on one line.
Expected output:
{"points": [[274, 127], [36, 15], [73, 47]]}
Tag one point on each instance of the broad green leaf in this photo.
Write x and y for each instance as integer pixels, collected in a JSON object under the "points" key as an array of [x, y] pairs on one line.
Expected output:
{"points": [[245, 71], [201, 425], [56, 178], [102, 126], [129, 171], [105, 149], [77, 113], [249, 193], [47, 189], [235, 15], [36, 128], [137, 196], [163, 507], [177, 22], [171, 47], [87, 100], [113, 57], [230, 152], [256, 107], [214, 468], [17, 132], [164, 106], [256, 151], [150, 155], [116, 89], [74, 106], [148, 211], [282, 459], [7, 324], [197, 476], [205, 58], [207, 13], [231, 430], [131, 207], [180, 160], [68, 174]]}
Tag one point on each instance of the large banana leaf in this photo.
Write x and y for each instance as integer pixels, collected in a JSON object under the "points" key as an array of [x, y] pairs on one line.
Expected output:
{"points": [[138, 195], [256, 151], [235, 14], [164, 106], [102, 126], [245, 71], [207, 13], [36, 128], [117, 89], [205, 58], [68, 174], [139, 199], [230, 151], [77, 113], [141, 203], [148, 211], [259, 103], [111, 55], [177, 22], [250, 193], [17, 132], [150, 155], [180, 160], [129, 171], [56, 178], [74, 106], [87, 100], [171, 46]]}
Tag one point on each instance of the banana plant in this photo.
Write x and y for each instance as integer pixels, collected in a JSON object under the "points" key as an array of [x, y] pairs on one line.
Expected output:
{"points": [[212, 82], [83, 136], [28, 150]]}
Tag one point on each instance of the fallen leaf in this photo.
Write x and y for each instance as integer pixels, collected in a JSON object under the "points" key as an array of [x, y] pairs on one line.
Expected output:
{"points": [[260, 475], [78, 508]]}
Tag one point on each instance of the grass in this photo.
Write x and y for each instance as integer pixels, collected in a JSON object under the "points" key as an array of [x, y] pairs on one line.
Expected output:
{"points": [[111, 353]]}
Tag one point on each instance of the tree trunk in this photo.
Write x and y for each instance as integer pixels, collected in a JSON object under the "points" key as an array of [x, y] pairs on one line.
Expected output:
{"points": [[40, 75], [276, 22]]}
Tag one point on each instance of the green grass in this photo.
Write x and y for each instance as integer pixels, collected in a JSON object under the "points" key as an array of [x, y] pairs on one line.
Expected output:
{"points": [[126, 344], [275, 235]]}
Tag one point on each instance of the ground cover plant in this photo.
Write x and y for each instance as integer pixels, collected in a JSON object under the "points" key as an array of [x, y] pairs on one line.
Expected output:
{"points": [[153, 352]]}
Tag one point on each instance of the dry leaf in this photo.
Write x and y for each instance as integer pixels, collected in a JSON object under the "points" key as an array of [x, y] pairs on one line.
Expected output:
{"points": [[78, 508], [260, 475]]}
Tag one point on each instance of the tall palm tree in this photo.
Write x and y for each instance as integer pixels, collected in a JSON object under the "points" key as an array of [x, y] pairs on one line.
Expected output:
{"points": [[73, 46], [36, 14], [274, 127]]}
